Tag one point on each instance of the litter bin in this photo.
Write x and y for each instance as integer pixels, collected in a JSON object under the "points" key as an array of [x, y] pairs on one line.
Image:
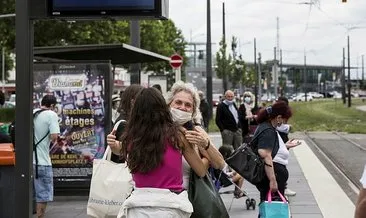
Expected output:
{"points": [[7, 188]]}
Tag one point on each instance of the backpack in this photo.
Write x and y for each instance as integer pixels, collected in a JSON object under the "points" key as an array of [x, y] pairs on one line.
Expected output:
{"points": [[246, 161], [35, 114]]}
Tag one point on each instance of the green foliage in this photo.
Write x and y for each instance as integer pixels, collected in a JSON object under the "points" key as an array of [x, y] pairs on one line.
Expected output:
{"points": [[223, 63], [323, 115], [327, 115], [7, 34], [161, 37], [7, 115], [212, 127], [249, 77]]}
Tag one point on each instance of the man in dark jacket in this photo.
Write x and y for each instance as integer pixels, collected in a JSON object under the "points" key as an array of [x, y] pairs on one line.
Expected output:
{"points": [[227, 119], [205, 110]]}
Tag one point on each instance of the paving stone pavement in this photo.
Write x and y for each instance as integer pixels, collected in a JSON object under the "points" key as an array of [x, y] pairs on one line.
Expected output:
{"points": [[303, 205]]}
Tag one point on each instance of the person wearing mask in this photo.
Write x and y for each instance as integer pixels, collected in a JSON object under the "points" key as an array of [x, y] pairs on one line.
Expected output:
{"points": [[227, 119], [272, 148], [153, 145], [283, 131], [46, 130], [184, 102], [205, 110], [115, 105], [361, 202], [247, 116]]}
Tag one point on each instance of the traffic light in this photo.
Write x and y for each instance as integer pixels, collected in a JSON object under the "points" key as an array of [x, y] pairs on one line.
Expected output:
{"points": [[200, 54], [263, 75]]}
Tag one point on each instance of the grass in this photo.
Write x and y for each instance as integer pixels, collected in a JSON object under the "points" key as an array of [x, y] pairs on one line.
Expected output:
{"points": [[324, 115]]}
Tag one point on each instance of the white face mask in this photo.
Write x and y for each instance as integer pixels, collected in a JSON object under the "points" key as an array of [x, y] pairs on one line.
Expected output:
{"points": [[247, 99], [181, 117]]}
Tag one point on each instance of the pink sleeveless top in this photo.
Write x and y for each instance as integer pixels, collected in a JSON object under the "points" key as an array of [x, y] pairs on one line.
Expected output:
{"points": [[167, 176]]}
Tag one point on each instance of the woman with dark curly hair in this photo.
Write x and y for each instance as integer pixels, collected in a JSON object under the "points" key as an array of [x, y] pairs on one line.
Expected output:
{"points": [[153, 146], [272, 149]]}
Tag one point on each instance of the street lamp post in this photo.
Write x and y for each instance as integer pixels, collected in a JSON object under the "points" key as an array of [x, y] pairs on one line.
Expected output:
{"points": [[349, 73], [224, 79], [209, 59]]}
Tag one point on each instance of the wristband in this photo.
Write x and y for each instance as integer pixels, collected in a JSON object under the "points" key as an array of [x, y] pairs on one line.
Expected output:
{"points": [[208, 145]]}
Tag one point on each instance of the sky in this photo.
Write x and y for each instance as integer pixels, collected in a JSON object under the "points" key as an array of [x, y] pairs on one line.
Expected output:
{"points": [[318, 30]]}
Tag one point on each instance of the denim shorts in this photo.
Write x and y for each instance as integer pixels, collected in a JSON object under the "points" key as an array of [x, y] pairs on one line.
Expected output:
{"points": [[43, 186]]}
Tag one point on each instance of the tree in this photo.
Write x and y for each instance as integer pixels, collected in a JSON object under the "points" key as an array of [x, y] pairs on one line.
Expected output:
{"points": [[223, 64], [240, 72], [162, 37]]}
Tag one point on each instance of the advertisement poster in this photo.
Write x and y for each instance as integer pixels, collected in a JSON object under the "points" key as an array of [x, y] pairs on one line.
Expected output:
{"points": [[81, 91]]}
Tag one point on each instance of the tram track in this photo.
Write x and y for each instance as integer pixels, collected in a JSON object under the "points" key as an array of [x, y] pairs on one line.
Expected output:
{"points": [[339, 170]]}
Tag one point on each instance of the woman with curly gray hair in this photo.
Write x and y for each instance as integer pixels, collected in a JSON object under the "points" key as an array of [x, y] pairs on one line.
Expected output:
{"points": [[184, 103]]}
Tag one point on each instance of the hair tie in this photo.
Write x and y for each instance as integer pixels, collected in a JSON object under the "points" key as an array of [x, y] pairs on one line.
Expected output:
{"points": [[269, 110]]}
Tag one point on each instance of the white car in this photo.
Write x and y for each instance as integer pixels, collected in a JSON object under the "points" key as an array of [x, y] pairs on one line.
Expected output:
{"points": [[9, 104], [301, 97], [316, 95]]}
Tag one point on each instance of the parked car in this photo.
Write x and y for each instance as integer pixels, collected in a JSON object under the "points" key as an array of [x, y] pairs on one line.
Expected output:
{"points": [[301, 97], [12, 98], [216, 99], [9, 104], [316, 95], [268, 98]]}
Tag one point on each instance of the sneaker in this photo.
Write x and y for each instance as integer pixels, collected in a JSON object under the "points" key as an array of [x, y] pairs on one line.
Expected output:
{"points": [[289, 192]]}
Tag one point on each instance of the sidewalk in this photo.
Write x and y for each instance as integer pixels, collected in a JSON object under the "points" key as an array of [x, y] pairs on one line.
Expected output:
{"points": [[317, 200], [303, 205]]}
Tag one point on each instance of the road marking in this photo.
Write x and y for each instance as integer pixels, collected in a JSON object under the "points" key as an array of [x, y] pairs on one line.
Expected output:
{"points": [[332, 200]]}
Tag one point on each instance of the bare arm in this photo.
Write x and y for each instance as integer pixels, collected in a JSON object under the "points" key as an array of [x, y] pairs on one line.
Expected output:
{"points": [[361, 205], [206, 148], [54, 137], [115, 145], [267, 157], [198, 164], [214, 156]]}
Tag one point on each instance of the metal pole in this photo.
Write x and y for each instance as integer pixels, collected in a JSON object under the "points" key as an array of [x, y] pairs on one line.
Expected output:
{"points": [[275, 74], [305, 78], [256, 74], [224, 41], [209, 59], [349, 73], [259, 77], [24, 134], [135, 41], [344, 76], [363, 69], [3, 68], [178, 74], [194, 55], [281, 74]]}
